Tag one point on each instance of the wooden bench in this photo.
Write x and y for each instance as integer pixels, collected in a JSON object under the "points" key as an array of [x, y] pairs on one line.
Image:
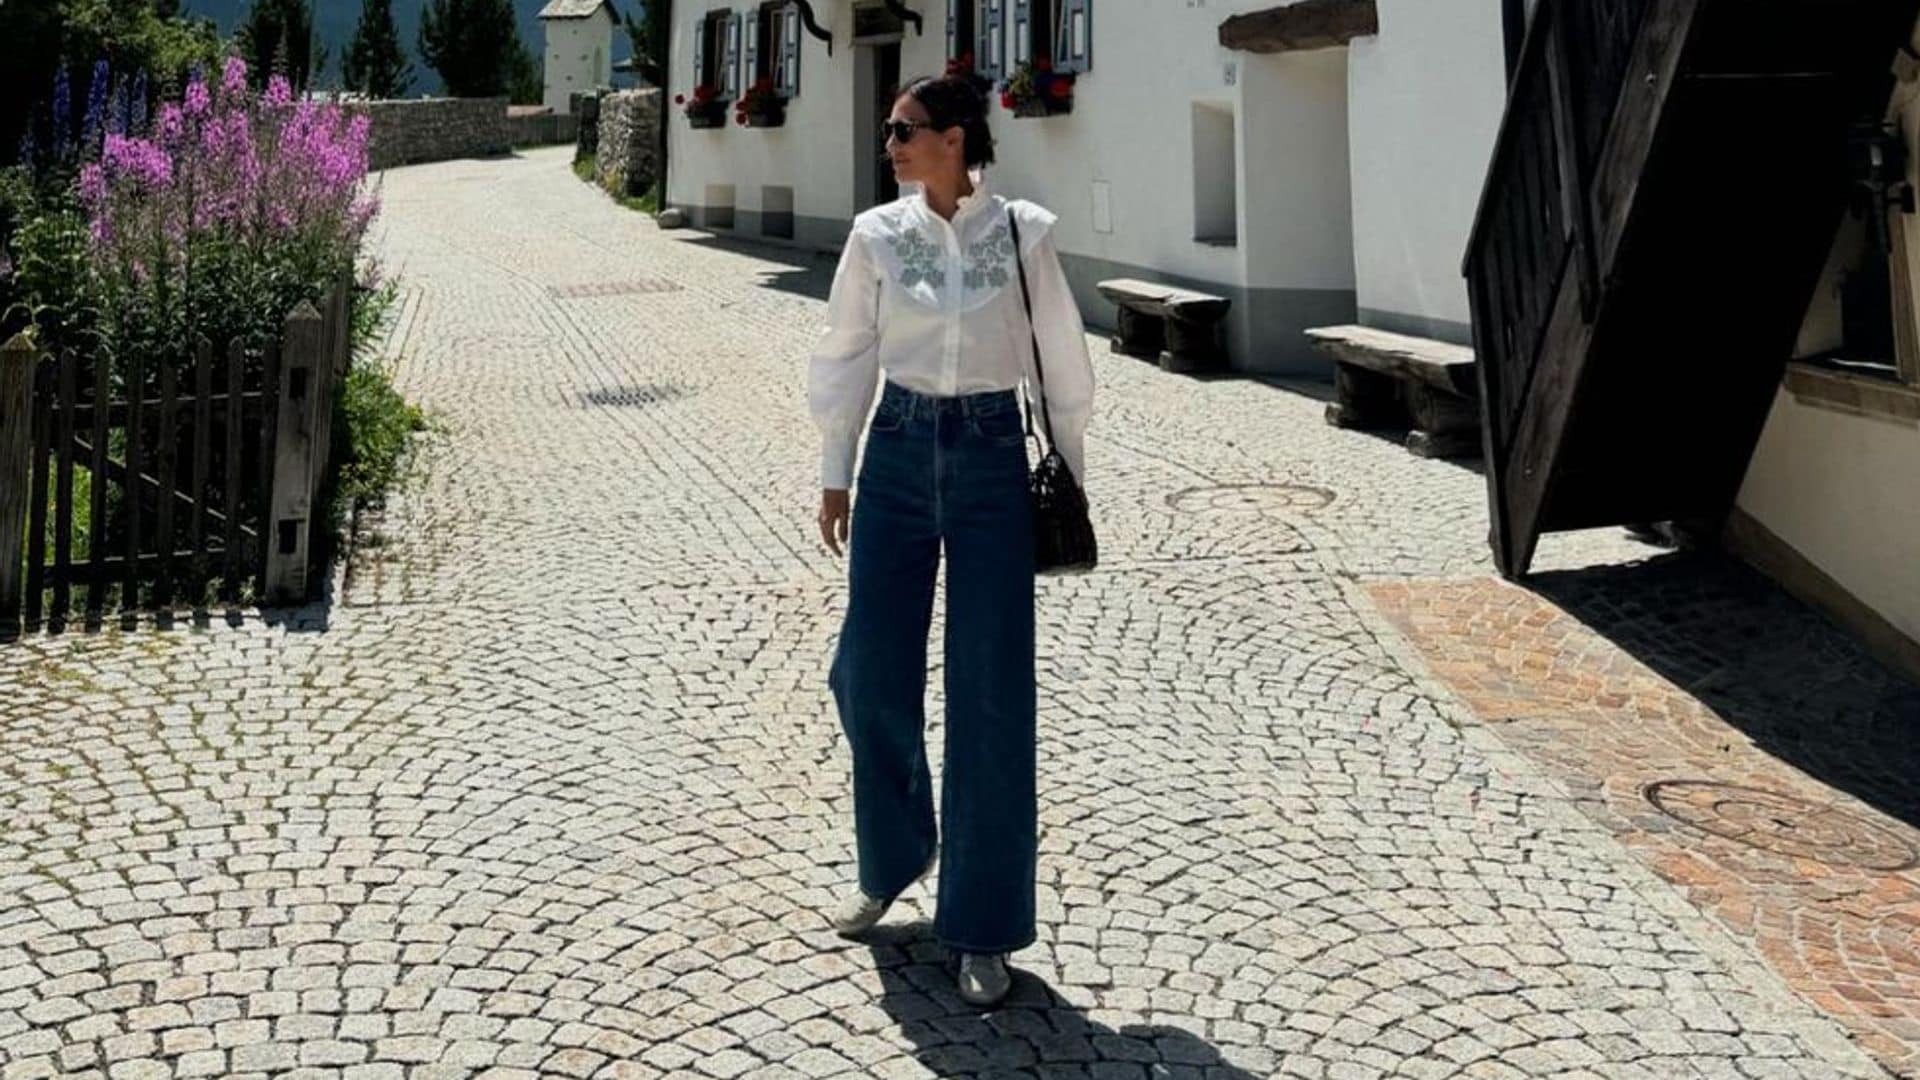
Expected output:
{"points": [[1387, 380], [1179, 328]]}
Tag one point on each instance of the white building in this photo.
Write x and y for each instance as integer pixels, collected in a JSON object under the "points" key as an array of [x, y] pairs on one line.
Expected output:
{"points": [[1182, 160], [579, 52]]}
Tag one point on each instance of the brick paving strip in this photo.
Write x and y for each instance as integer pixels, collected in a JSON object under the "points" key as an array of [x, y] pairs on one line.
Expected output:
{"points": [[552, 787], [1742, 749]]}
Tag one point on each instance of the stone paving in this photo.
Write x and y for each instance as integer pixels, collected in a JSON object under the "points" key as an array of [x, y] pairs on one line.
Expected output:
{"points": [[1744, 749], [552, 786]]}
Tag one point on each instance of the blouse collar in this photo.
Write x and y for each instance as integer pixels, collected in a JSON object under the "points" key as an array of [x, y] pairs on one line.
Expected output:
{"points": [[980, 196]]}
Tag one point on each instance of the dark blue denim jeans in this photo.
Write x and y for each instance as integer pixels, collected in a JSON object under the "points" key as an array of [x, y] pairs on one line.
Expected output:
{"points": [[944, 474]]}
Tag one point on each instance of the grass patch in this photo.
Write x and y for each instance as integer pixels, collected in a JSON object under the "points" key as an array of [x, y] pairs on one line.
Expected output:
{"points": [[587, 168]]}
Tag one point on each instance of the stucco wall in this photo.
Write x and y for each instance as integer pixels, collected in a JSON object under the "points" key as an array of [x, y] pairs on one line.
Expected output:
{"points": [[1131, 130], [1840, 489], [579, 56], [1427, 96]]}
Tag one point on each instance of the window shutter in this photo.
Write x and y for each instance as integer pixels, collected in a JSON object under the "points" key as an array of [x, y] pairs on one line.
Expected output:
{"points": [[730, 76], [752, 51], [700, 51], [953, 27], [790, 51], [1022, 34], [1073, 40], [988, 57]]}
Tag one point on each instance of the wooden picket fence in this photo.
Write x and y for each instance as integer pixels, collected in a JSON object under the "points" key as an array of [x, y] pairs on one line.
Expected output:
{"points": [[127, 490]]}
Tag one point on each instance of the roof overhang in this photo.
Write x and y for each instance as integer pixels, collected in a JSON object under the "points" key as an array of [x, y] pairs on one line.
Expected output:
{"points": [[1297, 27]]}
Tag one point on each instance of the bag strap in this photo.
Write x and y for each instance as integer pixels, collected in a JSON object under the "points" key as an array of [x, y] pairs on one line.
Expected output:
{"points": [[1039, 369]]}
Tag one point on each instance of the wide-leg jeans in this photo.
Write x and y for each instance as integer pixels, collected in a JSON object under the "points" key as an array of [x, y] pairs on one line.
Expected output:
{"points": [[944, 475]]}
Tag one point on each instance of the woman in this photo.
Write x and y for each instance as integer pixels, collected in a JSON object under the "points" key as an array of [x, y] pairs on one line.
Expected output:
{"points": [[928, 291]]}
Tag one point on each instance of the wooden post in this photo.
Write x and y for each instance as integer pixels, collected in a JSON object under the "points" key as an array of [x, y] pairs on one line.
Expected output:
{"points": [[303, 364], [17, 360]]}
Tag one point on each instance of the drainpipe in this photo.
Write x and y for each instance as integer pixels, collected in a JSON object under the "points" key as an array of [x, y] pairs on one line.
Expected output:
{"points": [[666, 81], [1514, 23]]}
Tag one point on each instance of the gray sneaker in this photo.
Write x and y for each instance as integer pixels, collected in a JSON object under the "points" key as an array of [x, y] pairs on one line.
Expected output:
{"points": [[860, 913], [984, 979]]}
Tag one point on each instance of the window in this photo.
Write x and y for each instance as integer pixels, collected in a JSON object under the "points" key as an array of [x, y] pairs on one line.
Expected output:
{"points": [[961, 38], [1060, 30], [1033, 25], [773, 47], [716, 52]]}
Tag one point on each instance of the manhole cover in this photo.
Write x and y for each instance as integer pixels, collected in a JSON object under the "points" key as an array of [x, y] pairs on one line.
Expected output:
{"points": [[1783, 824], [594, 289], [634, 396], [1251, 498]]}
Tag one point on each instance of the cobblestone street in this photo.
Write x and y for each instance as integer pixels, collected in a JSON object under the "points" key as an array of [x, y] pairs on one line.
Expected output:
{"points": [[552, 786]]}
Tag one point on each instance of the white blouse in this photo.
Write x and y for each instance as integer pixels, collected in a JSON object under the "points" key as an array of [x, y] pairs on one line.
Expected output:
{"points": [[936, 304]]}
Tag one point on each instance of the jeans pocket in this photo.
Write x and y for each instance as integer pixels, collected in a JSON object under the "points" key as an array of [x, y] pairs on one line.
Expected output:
{"points": [[888, 418], [1001, 427]]}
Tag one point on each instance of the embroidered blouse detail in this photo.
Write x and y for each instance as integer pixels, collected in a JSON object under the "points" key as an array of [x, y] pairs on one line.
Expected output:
{"points": [[935, 304], [989, 259], [919, 260]]}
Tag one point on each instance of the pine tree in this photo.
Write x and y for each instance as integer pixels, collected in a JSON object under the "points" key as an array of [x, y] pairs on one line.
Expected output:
{"points": [[648, 34], [374, 63], [475, 46], [278, 37]]}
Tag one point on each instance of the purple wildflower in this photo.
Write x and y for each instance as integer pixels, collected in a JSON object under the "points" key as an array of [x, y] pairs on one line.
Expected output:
{"points": [[279, 92], [197, 100], [233, 78], [62, 111], [96, 119], [137, 108]]}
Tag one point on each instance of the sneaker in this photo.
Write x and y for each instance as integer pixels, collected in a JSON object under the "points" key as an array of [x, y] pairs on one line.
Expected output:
{"points": [[984, 978], [860, 913]]}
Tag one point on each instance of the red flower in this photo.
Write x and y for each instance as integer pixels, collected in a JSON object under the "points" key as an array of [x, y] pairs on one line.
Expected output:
{"points": [[679, 99], [1043, 64], [1060, 89], [1006, 100]]}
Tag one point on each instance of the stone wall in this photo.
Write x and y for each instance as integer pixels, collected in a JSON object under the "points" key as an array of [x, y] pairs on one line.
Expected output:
{"points": [[542, 128], [629, 140], [434, 129]]}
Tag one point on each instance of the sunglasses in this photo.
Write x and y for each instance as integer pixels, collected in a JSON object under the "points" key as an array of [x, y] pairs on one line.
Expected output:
{"points": [[901, 130]]}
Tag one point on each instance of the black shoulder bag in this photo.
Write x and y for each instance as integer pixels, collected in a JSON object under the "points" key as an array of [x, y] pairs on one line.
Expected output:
{"points": [[1063, 541]]}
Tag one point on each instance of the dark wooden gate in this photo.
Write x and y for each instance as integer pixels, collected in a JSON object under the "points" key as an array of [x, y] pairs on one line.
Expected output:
{"points": [[1663, 189], [165, 488]]}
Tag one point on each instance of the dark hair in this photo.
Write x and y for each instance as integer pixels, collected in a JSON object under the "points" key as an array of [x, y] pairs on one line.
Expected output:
{"points": [[951, 100]]}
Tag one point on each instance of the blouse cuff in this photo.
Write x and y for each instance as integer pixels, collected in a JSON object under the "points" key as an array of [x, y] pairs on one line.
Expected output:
{"points": [[837, 456]]}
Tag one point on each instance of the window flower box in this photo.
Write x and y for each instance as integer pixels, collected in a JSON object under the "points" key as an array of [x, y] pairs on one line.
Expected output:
{"points": [[762, 107], [705, 108], [1036, 90]]}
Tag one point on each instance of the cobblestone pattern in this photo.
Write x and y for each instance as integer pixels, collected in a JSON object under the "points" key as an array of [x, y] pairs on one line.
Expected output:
{"points": [[629, 139], [554, 788], [433, 129], [1743, 748]]}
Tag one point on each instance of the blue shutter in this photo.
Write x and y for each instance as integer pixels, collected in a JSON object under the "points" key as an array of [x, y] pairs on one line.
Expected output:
{"points": [[990, 57], [730, 60], [790, 50], [953, 27], [751, 52], [1022, 48], [1073, 38]]}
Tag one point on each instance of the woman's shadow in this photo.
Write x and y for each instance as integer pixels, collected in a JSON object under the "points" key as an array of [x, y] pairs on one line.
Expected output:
{"points": [[1033, 1033]]}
